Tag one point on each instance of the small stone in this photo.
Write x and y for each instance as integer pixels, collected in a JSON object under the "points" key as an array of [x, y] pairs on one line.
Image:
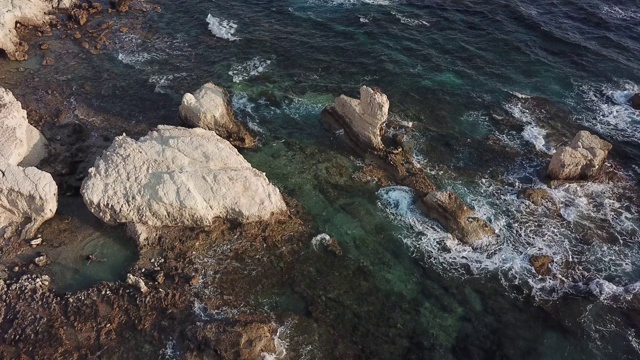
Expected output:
{"points": [[195, 280], [47, 61], [35, 242], [137, 282], [635, 101], [41, 260], [85, 44], [77, 35], [44, 46], [16, 269], [124, 29], [542, 264], [158, 276], [80, 16]]}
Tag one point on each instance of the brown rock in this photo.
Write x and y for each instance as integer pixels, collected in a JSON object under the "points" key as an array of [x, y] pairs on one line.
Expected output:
{"points": [[541, 264], [458, 219], [195, 280], [85, 44], [80, 16], [44, 46], [77, 35], [635, 101], [538, 197], [581, 160], [47, 61], [121, 5]]}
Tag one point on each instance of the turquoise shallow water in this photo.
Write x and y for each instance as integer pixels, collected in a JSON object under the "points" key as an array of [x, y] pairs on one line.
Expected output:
{"points": [[463, 72]]}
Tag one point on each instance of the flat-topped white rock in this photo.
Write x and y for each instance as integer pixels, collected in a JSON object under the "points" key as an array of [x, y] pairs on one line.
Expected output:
{"points": [[26, 12], [209, 108], [20, 143], [177, 177], [26, 193], [361, 119]]}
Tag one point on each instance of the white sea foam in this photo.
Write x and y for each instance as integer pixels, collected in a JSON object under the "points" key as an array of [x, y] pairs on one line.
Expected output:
{"points": [[410, 21], [608, 110], [320, 239], [525, 230], [532, 132], [162, 81], [170, 352], [249, 69], [352, 2], [246, 111], [616, 12], [135, 51], [221, 28]]}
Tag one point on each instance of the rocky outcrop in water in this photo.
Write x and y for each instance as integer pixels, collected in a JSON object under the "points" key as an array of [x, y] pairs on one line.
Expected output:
{"points": [[635, 101], [25, 12], [361, 120], [542, 264], [458, 218], [176, 176], [581, 160], [121, 5], [20, 143], [25, 193], [209, 108]]}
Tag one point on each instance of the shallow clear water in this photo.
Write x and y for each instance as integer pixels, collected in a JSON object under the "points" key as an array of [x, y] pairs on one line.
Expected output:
{"points": [[462, 71]]}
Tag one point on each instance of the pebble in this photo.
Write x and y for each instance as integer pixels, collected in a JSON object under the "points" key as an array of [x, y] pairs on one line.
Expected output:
{"points": [[44, 46]]}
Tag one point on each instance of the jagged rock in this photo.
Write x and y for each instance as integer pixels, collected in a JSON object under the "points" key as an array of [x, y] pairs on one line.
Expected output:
{"points": [[209, 108], [121, 5], [635, 101], [28, 13], [458, 219], [80, 16], [581, 160], [137, 282], [41, 260], [542, 264], [176, 176], [20, 143], [26, 193], [47, 61], [35, 242], [361, 120], [539, 197]]}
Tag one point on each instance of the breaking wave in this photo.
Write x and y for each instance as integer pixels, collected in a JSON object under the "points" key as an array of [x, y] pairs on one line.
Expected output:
{"points": [[221, 28]]}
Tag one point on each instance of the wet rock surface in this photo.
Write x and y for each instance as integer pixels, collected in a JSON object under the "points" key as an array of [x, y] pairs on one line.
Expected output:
{"points": [[635, 101], [581, 160], [209, 108], [542, 264]]}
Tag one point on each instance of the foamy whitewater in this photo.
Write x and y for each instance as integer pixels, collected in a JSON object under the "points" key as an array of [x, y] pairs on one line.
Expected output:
{"points": [[221, 28], [249, 69]]}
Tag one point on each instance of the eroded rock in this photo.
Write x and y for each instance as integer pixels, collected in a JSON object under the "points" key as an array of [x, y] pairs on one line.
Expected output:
{"points": [[209, 108], [176, 176], [581, 160], [25, 12], [138, 283], [20, 143], [542, 264], [362, 120], [458, 219], [26, 193], [635, 101], [121, 5]]}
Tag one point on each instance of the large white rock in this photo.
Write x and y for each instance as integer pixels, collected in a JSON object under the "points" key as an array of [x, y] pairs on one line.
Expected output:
{"points": [[209, 108], [176, 176], [20, 143], [361, 119], [26, 12], [26, 193], [581, 160]]}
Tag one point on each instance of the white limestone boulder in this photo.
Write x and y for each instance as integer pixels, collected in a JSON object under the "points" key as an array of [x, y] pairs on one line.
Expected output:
{"points": [[581, 160], [26, 193], [209, 108], [362, 120], [26, 12], [178, 177], [20, 143]]}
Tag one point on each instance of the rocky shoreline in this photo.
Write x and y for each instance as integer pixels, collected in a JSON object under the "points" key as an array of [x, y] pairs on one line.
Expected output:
{"points": [[186, 194]]}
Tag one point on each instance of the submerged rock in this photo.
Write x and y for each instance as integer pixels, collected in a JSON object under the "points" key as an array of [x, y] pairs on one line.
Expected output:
{"points": [[635, 101], [540, 197], [581, 160], [20, 143], [25, 12], [209, 108], [176, 176], [121, 5], [541, 264], [458, 218], [361, 120], [26, 193]]}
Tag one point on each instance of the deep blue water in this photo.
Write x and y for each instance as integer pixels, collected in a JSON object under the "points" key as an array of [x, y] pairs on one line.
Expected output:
{"points": [[463, 72]]}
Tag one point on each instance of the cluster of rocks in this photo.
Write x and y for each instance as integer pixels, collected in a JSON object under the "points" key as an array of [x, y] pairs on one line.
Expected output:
{"points": [[26, 193], [363, 122]]}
